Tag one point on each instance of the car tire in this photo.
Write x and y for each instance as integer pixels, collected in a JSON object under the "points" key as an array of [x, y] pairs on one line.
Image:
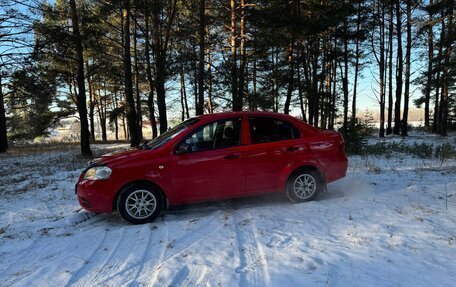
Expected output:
{"points": [[304, 185], [140, 203]]}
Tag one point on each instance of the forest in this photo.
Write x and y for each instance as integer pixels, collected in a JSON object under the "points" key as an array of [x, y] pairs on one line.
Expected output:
{"points": [[126, 64], [84, 84]]}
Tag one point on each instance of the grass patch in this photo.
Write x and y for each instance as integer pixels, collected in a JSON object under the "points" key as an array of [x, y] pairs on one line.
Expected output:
{"points": [[33, 147], [420, 150], [445, 152]]}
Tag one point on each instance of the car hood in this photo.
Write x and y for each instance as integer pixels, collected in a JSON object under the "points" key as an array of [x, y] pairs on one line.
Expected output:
{"points": [[120, 155]]}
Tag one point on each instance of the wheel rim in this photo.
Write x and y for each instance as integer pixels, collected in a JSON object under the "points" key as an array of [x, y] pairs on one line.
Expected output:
{"points": [[141, 204], [304, 186]]}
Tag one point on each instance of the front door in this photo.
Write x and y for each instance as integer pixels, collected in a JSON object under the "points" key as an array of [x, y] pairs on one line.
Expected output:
{"points": [[212, 167]]}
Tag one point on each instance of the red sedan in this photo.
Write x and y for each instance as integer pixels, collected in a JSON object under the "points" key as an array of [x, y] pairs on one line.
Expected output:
{"points": [[215, 156]]}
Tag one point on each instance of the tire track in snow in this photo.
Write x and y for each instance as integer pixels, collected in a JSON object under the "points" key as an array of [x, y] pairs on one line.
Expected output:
{"points": [[253, 268], [107, 266], [24, 264], [19, 258], [56, 259], [178, 245], [153, 269], [190, 277], [83, 269], [153, 254]]}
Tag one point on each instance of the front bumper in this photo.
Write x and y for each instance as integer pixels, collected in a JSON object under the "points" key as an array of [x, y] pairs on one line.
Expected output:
{"points": [[93, 196]]}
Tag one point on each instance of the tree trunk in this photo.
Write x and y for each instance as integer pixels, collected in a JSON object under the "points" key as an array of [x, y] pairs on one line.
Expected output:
{"points": [[3, 136], [399, 66], [137, 91], [161, 94], [116, 123], [438, 78], [243, 64], [355, 81], [382, 74], [325, 85], [91, 105], [305, 101], [291, 60], [276, 84], [159, 47], [381, 63], [427, 94], [253, 105], [286, 109], [300, 93], [210, 105], [195, 79], [435, 123], [237, 105], [150, 81], [101, 116], [345, 77], [129, 100], [81, 96], [332, 116], [389, 127], [449, 40], [124, 126], [315, 99], [202, 36], [408, 50], [183, 95]]}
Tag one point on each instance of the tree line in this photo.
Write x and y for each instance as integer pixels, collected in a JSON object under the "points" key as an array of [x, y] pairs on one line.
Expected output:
{"points": [[131, 61]]}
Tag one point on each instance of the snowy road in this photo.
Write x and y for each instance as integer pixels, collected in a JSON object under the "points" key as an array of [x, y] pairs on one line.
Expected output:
{"points": [[390, 222]]}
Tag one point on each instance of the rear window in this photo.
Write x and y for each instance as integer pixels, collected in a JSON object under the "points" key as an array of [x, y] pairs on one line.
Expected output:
{"points": [[266, 129]]}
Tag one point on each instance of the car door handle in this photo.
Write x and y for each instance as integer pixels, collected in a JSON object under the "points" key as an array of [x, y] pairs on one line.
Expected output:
{"points": [[292, 148], [232, 156]]}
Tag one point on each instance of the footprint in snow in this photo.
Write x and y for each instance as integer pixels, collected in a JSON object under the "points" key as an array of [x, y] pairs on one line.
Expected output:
{"points": [[312, 264], [280, 242]]}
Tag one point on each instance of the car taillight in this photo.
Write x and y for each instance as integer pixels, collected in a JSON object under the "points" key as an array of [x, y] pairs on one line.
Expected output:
{"points": [[341, 146], [341, 143]]}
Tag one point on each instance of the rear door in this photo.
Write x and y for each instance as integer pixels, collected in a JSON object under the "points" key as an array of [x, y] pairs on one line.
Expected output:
{"points": [[213, 167], [269, 152]]}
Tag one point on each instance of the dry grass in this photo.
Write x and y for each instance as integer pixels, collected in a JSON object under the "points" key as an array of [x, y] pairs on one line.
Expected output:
{"points": [[32, 167]]}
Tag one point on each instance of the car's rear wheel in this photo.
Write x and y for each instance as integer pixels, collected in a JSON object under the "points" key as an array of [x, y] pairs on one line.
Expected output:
{"points": [[304, 185], [139, 203]]}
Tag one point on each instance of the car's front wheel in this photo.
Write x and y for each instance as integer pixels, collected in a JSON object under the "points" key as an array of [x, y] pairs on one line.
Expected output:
{"points": [[139, 203], [304, 185]]}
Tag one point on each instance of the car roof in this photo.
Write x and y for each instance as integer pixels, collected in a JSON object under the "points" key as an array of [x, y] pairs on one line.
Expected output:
{"points": [[240, 113], [215, 116]]}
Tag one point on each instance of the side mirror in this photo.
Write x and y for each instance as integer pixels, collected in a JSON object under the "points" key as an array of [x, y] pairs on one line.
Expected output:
{"points": [[183, 148]]}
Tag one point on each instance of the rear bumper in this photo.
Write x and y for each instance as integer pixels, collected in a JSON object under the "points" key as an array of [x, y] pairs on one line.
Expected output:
{"points": [[93, 196], [337, 168]]}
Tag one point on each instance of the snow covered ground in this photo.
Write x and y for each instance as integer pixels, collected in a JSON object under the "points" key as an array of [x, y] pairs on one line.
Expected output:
{"points": [[390, 222]]}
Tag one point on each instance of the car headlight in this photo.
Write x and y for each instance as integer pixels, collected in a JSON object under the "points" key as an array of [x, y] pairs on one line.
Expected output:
{"points": [[98, 172]]}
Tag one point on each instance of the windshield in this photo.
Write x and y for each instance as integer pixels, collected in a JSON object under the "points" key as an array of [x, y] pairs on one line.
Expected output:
{"points": [[170, 134]]}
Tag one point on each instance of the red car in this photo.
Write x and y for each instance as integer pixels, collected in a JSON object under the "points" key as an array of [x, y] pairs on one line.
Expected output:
{"points": [[215, 156]]}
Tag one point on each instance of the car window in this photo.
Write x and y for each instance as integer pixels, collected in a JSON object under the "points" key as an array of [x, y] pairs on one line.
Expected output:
{"points": [[266, 129], [170, 134], [215, 135]]}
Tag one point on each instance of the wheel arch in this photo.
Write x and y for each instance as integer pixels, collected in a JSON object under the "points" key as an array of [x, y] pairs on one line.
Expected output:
{"points": [[139, 182], [305, 166]]}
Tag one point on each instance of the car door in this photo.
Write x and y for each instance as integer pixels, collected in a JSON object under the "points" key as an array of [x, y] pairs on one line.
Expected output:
{"points": [[269, 152], [212, 166]]}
